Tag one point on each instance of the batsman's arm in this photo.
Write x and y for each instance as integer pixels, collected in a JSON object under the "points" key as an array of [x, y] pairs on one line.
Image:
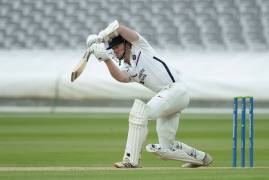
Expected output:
{"points": [[114, 29], [116, 73], [129, 34]]}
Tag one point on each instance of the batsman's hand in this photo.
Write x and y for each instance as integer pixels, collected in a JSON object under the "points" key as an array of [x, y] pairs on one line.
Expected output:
{"points": [[100, 52], [93, 38]]}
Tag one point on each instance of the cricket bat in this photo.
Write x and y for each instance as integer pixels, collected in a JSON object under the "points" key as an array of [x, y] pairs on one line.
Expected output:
{"points": [[81, 65]]}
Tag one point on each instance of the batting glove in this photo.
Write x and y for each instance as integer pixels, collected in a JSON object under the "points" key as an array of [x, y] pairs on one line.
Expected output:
{"points": [[93, 38], [100, 52]]}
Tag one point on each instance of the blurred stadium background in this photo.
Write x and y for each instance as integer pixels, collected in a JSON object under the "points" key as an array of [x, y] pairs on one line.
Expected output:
{"points": [[220, 46]]}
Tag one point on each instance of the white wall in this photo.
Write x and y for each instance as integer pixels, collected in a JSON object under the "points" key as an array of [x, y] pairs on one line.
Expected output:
{"points": [[41, 73]]}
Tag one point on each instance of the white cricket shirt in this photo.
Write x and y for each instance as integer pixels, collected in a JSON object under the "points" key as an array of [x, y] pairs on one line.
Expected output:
{"points": [[148, 68]]}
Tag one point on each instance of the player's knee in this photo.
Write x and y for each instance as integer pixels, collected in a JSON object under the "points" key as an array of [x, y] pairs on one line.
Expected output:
{"points": [[155, 109], [139, 113]]}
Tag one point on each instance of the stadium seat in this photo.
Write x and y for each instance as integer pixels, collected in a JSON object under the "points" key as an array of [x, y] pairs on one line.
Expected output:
{"points": [[226, 24]]}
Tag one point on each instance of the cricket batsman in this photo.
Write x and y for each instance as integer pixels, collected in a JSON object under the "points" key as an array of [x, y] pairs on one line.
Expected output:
{"points": [[140, 63]]}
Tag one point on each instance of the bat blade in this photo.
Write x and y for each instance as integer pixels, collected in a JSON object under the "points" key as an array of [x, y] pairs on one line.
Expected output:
{"points": [[81, 66]]}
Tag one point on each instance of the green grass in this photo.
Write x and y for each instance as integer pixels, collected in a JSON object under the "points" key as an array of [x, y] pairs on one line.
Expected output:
{"points": [[96, 140], [197, 174]]}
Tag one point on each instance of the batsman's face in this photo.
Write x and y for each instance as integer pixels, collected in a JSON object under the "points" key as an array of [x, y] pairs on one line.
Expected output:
{"points": [[119, 50]]}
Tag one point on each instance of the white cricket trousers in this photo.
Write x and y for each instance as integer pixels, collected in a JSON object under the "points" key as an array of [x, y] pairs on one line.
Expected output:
{"points": [[165, 108]]}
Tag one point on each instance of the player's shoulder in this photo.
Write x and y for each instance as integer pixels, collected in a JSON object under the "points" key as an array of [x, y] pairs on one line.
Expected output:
{"points": [[140, 40], [143, 44]]}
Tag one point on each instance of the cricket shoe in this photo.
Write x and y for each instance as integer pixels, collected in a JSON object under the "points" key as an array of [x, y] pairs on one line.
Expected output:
{"points": [[172, 154], [206, 162], [125, 164], [153, 148]]}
